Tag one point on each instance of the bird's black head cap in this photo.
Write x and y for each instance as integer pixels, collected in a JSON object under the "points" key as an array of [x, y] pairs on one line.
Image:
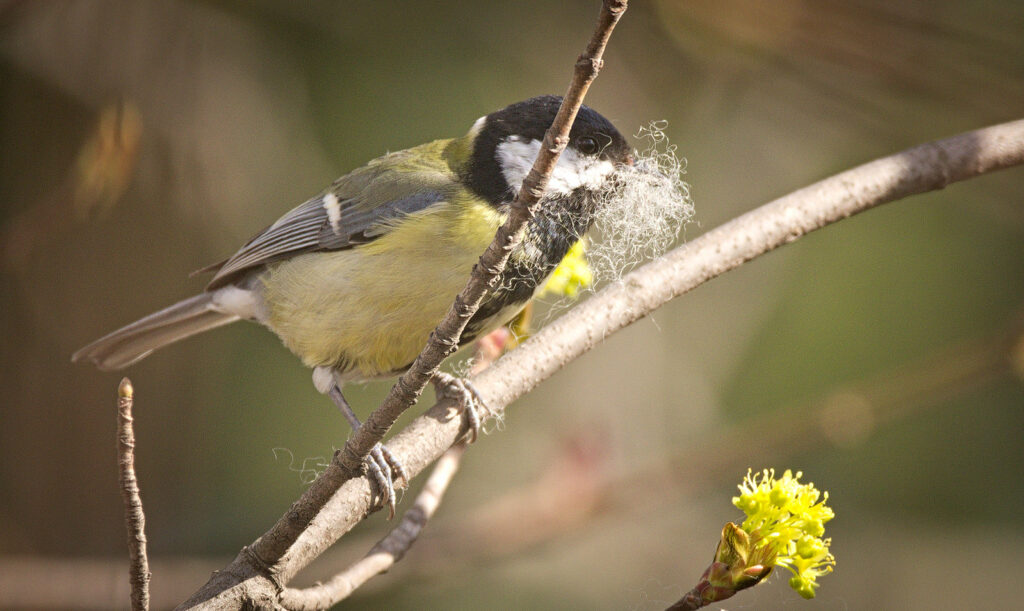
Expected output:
{"points": [[529, 120]]}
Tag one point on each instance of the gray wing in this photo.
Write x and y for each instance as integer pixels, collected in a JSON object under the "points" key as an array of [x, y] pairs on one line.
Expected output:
{"points": [[322, 223]]}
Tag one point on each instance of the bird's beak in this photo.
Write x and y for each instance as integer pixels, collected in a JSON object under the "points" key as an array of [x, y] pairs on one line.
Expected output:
{"points": [[628, 160]]}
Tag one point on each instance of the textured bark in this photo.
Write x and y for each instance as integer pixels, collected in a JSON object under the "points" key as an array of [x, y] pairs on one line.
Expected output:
{"points": [[269, 551], [388, 550], [134, 518], [921, 169]]}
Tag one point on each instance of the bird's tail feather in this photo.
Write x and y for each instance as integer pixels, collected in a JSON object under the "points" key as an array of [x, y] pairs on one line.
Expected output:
{"points": [[134, 342]]}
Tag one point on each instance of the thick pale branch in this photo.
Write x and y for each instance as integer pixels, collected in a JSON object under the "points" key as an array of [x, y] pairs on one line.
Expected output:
{"points": [[924, 168], [522, 518]]}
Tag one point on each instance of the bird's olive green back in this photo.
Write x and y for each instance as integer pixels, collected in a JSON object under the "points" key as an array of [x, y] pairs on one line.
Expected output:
{"points": [[360, 206]]}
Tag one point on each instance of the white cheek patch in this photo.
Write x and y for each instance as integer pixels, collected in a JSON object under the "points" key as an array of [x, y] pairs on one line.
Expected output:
{"points": [[575, 170], [516, 157]]}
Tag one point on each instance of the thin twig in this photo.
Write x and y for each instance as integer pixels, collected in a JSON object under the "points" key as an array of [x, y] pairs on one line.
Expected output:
{"points": [[395, 545], [270, 549], [691, 602], [444, 341], [924, 168], [134, 517], [388, 550]]}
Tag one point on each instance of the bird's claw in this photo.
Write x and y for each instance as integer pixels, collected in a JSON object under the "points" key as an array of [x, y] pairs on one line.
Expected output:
{"points": [[462, 392], [386, 470], [381, 465]]}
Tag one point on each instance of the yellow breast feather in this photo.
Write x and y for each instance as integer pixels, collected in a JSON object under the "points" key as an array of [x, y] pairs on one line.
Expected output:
{"points": [[370, 309]]}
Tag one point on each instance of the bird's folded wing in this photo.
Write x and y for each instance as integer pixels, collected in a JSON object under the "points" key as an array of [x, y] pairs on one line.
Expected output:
{"points": [[356, 209]]}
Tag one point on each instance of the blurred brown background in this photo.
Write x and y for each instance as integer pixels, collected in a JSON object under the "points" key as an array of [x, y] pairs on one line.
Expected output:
{"points": [[143, 140]]}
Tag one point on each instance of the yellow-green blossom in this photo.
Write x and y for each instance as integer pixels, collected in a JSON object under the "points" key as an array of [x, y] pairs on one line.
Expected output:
{"points": [[572, 274], [787, 519]]}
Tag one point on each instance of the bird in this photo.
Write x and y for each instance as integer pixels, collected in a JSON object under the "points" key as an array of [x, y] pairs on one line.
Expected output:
{"points": [[354, 280]]}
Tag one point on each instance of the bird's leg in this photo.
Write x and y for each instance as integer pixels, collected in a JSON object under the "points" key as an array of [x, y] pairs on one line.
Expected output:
{"points": [[381, 464], [461, 391]]}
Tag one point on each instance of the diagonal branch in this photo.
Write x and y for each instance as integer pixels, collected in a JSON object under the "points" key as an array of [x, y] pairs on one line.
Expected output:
{"points": [[397, 543], [445, 338], [924, 168], [266, 555], [927, 167], [444, 341]]}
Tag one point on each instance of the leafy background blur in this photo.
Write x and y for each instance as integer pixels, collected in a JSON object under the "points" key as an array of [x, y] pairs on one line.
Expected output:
{"points": [[143, 140]]}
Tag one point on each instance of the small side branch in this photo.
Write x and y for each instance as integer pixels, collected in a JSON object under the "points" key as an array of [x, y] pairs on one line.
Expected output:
{"points": [[690, 602], [135, 519], [388, 550], [445, 338], [923, 168], [271, 549]]}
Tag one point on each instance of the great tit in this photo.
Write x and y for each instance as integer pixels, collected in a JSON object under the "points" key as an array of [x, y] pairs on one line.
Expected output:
{"points": [[354, 280]]}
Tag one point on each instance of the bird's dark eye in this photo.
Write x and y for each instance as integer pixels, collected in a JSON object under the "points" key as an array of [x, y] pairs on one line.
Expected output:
{"points": [[587, 145]]}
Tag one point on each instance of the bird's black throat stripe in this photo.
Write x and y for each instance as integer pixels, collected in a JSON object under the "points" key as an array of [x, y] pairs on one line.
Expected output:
{"points": [[556, 227]]}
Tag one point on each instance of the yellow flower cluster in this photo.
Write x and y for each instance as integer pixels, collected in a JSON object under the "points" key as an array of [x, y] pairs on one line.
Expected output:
{"points": [[787, 519], [571, 275]]}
